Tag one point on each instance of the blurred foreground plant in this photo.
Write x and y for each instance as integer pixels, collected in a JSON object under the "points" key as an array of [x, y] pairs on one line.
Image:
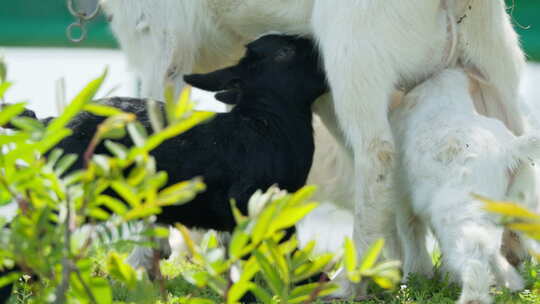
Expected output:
{"points": [[54, 201], [259, 245]]}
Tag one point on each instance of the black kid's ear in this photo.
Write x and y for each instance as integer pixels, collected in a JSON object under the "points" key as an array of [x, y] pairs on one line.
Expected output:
{"points": [[213, 81], [228, 97]]}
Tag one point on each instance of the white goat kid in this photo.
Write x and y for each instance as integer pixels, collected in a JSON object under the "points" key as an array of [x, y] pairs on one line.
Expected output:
{"points": [[368, 47], [447, 152]]}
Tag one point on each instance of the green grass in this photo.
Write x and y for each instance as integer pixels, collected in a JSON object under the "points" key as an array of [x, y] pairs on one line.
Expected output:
{"points": [[418, 290]]}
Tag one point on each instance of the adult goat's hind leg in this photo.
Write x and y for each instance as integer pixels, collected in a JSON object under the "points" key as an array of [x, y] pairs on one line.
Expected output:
{"points": [[490, 47], [362, 80]]}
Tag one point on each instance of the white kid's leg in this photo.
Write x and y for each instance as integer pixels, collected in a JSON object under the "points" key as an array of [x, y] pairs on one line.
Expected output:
{"points": [[412, 233]]}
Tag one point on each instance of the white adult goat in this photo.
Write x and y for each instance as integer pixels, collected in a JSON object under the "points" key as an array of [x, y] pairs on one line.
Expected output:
{"points": [[447, 152], [369, 47]]}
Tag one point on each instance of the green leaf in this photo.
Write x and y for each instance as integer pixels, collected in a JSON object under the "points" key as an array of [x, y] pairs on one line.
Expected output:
{"points": [[138, 133], [112, 203], [184, 103], [118, 150], [370, 257], [157, 231], [261, 294], [302, 195], [76, 105], [121, 271], [269, 273], [51, 140], [279, 261], [180, 193], [99, 214], [3, 71], [531, 229], [238, 242], [156, 115], [101, 110], [264, 220], [9, 278], [126, 192], [53, 157], [4, 86], [172, 131], [27, 124], [350, 255], [315, 266], [507, 208], [249, 270], [303, 293], [10, 111], [291, 216], [136, 176], [64, 164], [237, 291], [141, 211]]}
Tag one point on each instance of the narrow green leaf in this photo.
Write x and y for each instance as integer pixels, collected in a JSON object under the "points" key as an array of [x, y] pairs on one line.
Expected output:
{"points": [[238, 242], [370, 257], [141, 211], [291, 216], [237, 291], [264, 220], [261, 294], [303, 293], [507, 208], [101, 109], [112, 203], [9, 278], [136, 176], [121, 271], [77, 104], [4, 86], [156, 115], [184, 103], [3, 71], [51, 140], [118, 150], [126, 192], [138, 133], [99, 214], [350, 255], [315, 266], [10, 111], [269, 273], [27, 124], [180, 193], [172, 131], [64, 164], [301, 196]]}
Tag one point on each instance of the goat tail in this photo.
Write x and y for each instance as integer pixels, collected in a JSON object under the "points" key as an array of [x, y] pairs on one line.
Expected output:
{"points": [[526, 147]]}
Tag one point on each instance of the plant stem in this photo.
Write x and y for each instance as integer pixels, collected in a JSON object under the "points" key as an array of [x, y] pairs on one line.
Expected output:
{"points": [[86, 288], [322, 281], [66, 262]]}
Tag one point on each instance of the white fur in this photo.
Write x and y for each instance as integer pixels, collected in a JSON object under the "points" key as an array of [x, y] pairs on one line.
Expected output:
{"points": [[447, 152], [368, 46]]}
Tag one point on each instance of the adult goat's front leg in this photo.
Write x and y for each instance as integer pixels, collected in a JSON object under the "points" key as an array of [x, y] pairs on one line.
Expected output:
{"points": [[361, 78]]}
